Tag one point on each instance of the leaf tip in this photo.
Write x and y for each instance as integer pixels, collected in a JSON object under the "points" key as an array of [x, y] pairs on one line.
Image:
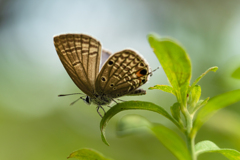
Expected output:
{"points": [[72, 155], [104, 139], [153, 36], [214, 69]]}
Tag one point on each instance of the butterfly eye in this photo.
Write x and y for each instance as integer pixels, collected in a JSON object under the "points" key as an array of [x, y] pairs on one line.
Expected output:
{"points": [[88, 99], [110, 62]]}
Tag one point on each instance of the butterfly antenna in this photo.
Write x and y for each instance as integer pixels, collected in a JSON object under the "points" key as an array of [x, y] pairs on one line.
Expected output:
{"points": [[75, 101], [150, 73], [61, 95]]}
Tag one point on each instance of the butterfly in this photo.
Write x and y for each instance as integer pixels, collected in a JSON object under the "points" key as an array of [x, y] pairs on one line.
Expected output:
{"points": [[121, 73]]}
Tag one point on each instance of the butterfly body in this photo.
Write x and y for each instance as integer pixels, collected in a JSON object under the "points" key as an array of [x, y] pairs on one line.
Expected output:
{"points": [[101, 99], [122, 73]]}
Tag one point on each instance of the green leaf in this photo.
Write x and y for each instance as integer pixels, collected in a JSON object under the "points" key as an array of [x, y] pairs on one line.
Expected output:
{"points": [[194, 96], [213, 105], [130, 124], [175, 63], [200, 104], [172, 141], [214, 69], [132, 105], [87, 154], [164, 88], [208, 146], [229, 124], [236, 73], [173, 59], [175, 110]]}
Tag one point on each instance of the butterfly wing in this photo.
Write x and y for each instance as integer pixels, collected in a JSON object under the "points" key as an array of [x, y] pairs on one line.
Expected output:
{"points": [[80, 55], [105, 55], [122, 73]]}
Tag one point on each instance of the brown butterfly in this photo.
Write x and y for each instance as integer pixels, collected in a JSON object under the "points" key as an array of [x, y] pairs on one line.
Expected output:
{"points": [[121, 74]]}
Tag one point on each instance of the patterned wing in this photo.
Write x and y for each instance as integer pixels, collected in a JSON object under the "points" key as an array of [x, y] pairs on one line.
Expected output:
{"points": [[123, 73], [80, 55]]}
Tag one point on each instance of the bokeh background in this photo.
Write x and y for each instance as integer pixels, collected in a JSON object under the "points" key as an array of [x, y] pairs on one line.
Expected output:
{"points": [[36, 124]]}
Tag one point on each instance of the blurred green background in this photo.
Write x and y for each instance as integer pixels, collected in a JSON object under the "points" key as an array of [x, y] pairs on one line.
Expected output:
{"points": [[36, 124]]}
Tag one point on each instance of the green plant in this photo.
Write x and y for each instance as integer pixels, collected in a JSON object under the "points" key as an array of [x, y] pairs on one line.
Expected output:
{"points": [[236, 73], [189, 112]]}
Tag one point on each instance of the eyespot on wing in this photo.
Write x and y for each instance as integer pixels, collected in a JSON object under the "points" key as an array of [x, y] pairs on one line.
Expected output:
{"points": [[141, 72]]}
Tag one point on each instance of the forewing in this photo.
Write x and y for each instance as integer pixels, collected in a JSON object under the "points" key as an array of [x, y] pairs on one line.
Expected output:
{"points": [[80, 55], [123, 73]]}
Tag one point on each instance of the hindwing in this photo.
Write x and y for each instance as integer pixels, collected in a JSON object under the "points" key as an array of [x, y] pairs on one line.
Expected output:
{"points": [[122, 73], [80, 55], [105, 55]]}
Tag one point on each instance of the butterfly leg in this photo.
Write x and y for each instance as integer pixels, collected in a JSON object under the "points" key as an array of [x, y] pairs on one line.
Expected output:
{"points": [[114, 101], [99, 112], [120, 100]]}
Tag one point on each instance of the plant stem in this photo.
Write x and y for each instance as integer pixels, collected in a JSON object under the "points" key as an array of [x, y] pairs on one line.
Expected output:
{"points": [[189, 137], [190, 145]]}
